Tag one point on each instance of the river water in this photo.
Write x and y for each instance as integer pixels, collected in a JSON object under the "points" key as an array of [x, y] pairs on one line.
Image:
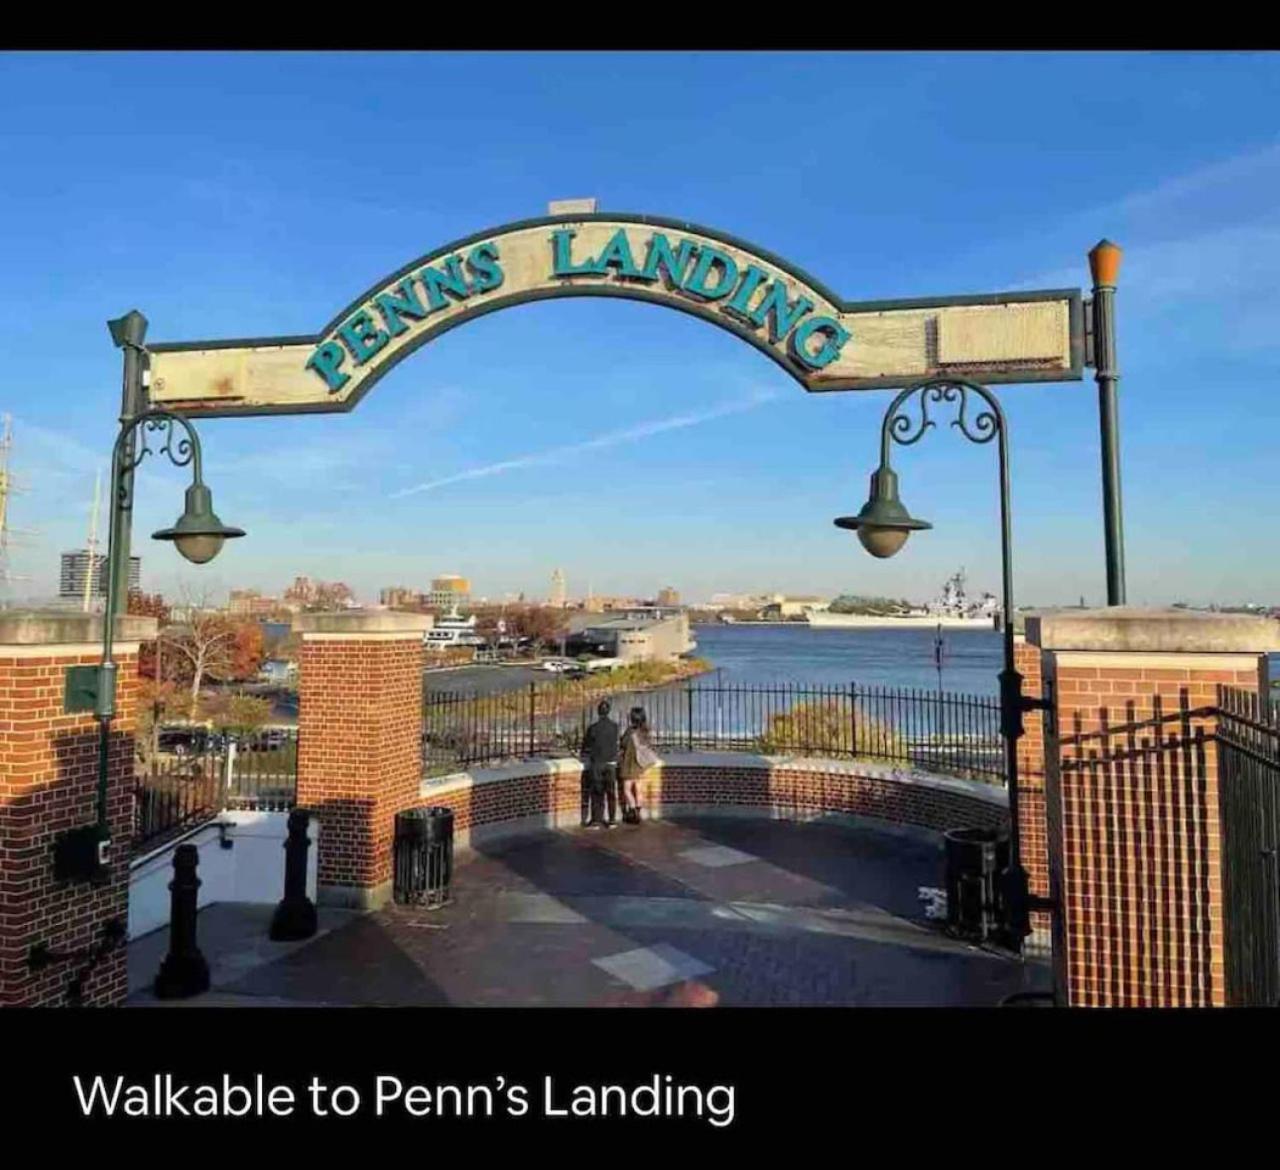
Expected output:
{"points": [[797, 653]]}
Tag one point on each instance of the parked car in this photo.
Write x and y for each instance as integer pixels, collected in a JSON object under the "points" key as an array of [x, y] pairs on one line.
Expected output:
{"points": [[270, 740], [189, 741]]}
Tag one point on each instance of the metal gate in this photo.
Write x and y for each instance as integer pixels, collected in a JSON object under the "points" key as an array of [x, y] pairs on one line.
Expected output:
{"points": [[1248, 738], [1146, 849]]}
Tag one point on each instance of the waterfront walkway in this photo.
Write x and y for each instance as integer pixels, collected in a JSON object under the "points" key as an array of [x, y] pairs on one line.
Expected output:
{"points": [[693, 912]]}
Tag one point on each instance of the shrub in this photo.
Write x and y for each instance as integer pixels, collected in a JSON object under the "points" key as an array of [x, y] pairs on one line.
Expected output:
{"points": [[826, 727]]}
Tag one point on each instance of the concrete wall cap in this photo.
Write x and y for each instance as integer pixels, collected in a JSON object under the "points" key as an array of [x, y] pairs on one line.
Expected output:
{"points": [[362, 621], [31, 627], [1128, 628]]}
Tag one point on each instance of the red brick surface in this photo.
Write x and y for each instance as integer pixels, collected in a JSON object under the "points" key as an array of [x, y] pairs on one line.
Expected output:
{"points": [[1034, 835], [359, 750], [48, 784], [804, 790], [1135, 844]]}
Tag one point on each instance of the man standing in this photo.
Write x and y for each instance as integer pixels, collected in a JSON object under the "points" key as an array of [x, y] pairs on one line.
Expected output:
{"points": [[600, 747]]}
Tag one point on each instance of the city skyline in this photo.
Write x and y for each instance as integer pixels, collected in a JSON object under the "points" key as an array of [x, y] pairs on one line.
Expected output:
{"points": [[500, 447]]}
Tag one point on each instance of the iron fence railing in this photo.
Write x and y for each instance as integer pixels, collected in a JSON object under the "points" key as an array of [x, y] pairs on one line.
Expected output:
{"points": [[1249, 804], [1142, 789], [938, 731], [200, 776]]}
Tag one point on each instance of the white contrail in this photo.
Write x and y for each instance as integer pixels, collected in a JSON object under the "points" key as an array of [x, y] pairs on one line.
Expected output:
{"points": [[611, 439]]}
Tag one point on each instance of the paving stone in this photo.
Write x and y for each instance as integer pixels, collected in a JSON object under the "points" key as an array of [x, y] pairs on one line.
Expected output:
{"points": [[716, 856], [647, 968]]}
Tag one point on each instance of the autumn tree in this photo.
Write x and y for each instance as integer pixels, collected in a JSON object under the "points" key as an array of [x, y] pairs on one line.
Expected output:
{"points": [[158, 702], [543, 625], [148, 605], [247, 652]]}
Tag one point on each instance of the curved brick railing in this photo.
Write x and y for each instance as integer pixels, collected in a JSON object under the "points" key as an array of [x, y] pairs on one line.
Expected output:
{"points": [[539, 794]]}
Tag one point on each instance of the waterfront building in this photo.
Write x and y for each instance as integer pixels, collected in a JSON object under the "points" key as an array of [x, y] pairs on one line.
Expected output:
{"points": [[668, 596], [780, 607], [640, 634]]}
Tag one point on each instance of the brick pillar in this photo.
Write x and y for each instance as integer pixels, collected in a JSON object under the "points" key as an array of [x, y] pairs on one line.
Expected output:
{"points": [[48, 784], [1033, 830], [1134, 843], [359, 743]]}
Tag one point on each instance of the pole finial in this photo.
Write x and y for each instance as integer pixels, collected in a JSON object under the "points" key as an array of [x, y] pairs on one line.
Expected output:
{"points": [[131, 329], [1104, 263]]}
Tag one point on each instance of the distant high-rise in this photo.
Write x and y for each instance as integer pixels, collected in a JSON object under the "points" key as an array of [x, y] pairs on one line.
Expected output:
{"points": [[449, 591], [559, 592], [668, 596], [398, 597], [76, 574]]}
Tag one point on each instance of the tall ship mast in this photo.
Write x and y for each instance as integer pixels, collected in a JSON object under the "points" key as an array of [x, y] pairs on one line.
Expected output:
{"points": [[7, 488]]}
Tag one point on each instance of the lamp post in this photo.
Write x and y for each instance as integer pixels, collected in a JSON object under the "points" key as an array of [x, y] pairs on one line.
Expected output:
{"points": [[1104, 266], [198, 534], [883, 526]]}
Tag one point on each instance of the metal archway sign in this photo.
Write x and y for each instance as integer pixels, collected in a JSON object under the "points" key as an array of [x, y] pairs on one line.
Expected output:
{"points": [[824, 342]]}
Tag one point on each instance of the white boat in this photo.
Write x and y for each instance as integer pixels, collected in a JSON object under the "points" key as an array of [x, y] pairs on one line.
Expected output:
{"points": [[452, 630]]}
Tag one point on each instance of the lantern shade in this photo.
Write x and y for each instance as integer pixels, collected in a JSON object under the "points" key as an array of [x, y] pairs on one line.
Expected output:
{"points": [[883, 524], [198, 534]]}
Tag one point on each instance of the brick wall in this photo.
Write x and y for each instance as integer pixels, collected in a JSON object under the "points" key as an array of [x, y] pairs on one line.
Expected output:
{"points": [[1034, 834], [549, 792], [48, 783], [1134, 834], [359, 746]]}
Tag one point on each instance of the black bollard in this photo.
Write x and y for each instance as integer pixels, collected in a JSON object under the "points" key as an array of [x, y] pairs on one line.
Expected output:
{"points": [[184, 971], [295, 916]]}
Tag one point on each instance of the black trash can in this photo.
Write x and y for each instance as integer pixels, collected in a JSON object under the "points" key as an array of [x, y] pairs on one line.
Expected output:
{"points": [[423, 857], [976, 859]]}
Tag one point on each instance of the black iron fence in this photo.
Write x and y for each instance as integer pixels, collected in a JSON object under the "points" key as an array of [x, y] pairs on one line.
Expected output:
{"points": [[1145, 784], [1249, 806], [937, 731], [195, 775]]}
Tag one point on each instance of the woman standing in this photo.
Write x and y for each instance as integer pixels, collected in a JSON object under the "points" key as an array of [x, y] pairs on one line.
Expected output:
{"points": [[638, 757]]}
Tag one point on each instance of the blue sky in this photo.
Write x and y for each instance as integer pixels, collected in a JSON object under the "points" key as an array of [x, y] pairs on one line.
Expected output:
{"points": [[231, 195]]}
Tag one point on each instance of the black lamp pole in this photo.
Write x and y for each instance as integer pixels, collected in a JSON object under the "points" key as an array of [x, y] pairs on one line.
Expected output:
{"points": [[883, 526]]}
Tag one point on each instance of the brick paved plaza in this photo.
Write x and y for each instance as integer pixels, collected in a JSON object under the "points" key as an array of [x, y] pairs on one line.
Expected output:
{"points": [[696, 912]]}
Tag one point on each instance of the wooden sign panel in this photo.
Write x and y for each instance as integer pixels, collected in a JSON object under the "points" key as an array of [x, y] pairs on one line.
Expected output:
{"points": [[824, 342]]}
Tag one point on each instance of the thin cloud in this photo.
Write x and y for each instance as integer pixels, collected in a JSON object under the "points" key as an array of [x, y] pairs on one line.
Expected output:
{"points": [[610, 439]]}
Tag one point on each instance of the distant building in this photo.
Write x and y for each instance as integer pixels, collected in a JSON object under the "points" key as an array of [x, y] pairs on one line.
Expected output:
{"points": [[302, 592], [734, 601], [398, 597], [780, 607], [668, 596], [449, 592], [76, 570], [305, 593], [251, 603], [559, 592], [641, 634]]}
